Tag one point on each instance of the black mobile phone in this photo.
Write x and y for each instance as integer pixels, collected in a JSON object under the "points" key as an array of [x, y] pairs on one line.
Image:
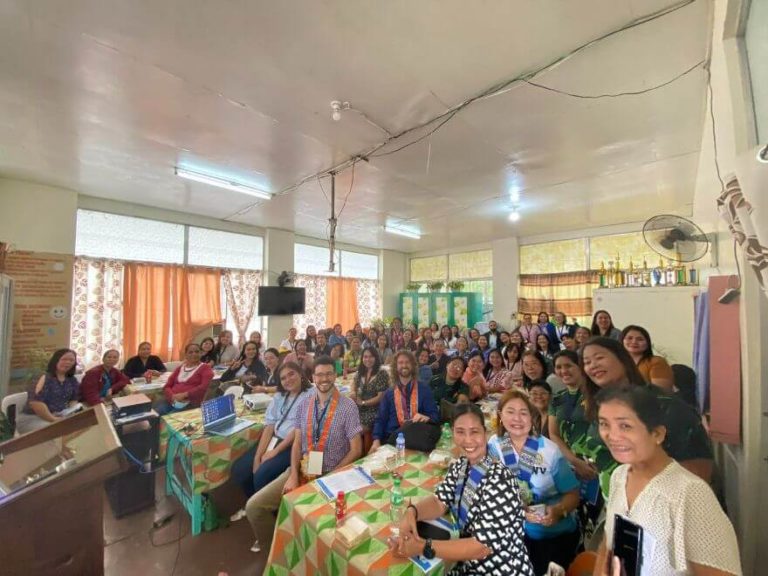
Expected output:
{"points": [[427, 530], [628, 544]]}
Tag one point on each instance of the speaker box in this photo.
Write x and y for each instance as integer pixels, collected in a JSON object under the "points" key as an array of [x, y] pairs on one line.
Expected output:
{"points": [[132, 490]]}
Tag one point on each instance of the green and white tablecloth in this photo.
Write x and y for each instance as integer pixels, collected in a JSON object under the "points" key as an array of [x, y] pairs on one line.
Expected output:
{"points": [[304, 540]]}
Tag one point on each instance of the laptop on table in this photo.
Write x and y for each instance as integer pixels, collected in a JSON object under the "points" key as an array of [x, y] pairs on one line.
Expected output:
{"points": [[219, 416]]}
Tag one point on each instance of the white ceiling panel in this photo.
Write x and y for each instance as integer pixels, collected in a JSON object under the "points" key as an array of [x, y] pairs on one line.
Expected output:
{"points": [[107, 96]]}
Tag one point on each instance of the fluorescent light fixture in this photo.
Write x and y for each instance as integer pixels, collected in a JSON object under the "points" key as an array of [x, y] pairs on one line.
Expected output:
{"points": [[514, 216], [402, 232], [222, 183]]}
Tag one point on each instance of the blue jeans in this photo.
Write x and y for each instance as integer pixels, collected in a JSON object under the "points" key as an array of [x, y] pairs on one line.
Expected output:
{"points": [[251, 482]]}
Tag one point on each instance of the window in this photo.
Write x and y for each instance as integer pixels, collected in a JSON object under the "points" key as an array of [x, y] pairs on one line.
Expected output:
{"points": [[756, 41], [433, 268], [313, 260], [357, 265], [101, 235], [220, 249], [603, 249], [468, 265], [554, 257]]}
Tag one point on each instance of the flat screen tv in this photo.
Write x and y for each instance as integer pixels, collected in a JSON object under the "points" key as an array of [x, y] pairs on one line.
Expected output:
{"points": [[280, 301]]}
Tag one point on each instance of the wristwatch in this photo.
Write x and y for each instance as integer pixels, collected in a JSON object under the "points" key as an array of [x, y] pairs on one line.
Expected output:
{"points": [[429, 552]]}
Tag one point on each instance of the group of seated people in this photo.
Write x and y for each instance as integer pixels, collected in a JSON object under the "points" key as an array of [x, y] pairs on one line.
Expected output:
{"points": [[520, 489], [616, 424]]}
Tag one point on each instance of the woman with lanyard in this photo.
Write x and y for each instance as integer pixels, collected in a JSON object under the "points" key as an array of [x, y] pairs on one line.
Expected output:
{"points": [[549, 489], [247, 368], [102, 382], [368, 388], [482, 496], [265, 462], [271, 382], [562, 328]]}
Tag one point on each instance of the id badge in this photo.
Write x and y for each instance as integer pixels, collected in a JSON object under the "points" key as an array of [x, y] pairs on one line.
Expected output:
{"points": [[315, 466], [272, 443]]}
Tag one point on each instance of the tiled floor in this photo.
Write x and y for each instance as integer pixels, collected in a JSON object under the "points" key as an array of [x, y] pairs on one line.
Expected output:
{"points": [[130, 552]]}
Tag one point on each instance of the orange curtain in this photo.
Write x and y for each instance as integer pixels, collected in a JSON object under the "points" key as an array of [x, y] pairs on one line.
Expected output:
{"points": [[196, 304], [341, 302], [146, 308], [164, 301]]}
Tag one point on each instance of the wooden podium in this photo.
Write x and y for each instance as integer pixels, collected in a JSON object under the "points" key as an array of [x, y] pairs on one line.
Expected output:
{"points": [[51, 496]]}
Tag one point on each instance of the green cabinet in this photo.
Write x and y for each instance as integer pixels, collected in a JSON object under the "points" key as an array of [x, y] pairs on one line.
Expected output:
{"points": [[422, 308]]}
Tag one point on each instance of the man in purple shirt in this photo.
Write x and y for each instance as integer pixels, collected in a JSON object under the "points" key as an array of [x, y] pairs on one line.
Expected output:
{"points": [[327, 436]]}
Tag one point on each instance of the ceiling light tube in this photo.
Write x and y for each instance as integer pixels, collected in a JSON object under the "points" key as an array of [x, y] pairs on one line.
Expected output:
{"points": [[222, 183], [402, 232]]}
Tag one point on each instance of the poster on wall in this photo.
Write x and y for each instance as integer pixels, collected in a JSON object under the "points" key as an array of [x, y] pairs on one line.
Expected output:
{"points": [[423, 311], [441, 309], [461, 311], [42, 306], [407, 310]]}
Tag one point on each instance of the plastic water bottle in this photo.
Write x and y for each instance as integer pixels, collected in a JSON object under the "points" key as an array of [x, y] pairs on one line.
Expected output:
{"points": [[400, 445], [396, 507], [446, 438]]}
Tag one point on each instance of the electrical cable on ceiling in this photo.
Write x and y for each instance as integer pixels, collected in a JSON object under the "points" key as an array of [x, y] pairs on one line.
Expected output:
{"points": [[618, 94], [351, 183], [490, 92]]}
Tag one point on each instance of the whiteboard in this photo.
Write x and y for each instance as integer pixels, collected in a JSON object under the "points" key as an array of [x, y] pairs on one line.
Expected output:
{"points": [[667, 313]]}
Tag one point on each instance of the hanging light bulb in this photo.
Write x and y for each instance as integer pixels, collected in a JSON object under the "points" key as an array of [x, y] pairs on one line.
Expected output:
{"points": [[514, 216]]}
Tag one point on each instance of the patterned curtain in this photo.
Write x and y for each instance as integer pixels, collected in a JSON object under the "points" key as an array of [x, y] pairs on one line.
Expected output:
{"points": [[567, 292], [97, 308], [242, 290], [368, 304], [315, 308]]}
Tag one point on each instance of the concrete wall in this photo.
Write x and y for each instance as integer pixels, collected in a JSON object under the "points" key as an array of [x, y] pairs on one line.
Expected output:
{"points": [[37, 218], [393, 270]]}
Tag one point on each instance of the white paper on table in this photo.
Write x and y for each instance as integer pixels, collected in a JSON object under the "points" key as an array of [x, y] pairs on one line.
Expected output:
{"points": [[147, 387], [345, 481]]}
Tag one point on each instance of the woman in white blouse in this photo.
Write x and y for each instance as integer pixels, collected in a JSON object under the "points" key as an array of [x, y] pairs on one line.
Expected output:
{"points": [[685, 529]]}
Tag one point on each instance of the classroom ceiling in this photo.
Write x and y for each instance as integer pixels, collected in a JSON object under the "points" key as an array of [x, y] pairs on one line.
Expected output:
{"points": [[106, 97]]}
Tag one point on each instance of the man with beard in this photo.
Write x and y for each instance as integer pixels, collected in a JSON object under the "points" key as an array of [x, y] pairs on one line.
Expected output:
{"points": [[493, 335], [405, 401], [322, 348], [327, 437]]}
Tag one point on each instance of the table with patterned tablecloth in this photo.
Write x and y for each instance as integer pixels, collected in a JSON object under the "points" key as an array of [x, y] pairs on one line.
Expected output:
{"points": [[304, 540], [205, 459]]}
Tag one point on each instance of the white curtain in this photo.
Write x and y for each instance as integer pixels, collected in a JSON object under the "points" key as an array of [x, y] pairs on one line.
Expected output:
{"points": [[97, 308], [748, 225], [241, 288], [315, 303]]}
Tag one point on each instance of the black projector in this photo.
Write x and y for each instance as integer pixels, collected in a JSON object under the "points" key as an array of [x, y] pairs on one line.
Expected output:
{"points": [[126, 406]]}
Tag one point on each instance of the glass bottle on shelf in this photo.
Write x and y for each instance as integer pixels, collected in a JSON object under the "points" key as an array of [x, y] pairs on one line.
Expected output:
{"points": [[646, 274], [631, 279], [611, 275], [619, 280], [602, 275], [657, 274], [693, 276], [669, 274], [680, 271]]}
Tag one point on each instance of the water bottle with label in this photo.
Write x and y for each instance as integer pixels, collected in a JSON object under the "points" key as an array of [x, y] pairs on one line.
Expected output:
{"points": [[400, 445], [446, 438], [396, 506]]}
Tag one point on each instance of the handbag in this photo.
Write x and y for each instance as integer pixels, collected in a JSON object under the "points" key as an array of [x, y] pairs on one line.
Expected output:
{"points": [[421, 436]]}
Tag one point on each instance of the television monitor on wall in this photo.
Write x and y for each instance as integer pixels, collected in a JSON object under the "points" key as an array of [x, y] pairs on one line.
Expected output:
{"points": [[280, 301]]}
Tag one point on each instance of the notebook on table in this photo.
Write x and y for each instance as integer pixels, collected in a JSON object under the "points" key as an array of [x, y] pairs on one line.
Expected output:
{"points": [[219, 416]]}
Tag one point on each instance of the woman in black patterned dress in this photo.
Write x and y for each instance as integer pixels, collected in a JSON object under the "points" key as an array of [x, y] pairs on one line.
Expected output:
{"points": [[368, 387], [482, 497]]}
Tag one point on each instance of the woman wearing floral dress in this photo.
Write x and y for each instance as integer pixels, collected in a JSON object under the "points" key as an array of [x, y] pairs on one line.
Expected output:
{"points": [[368, 387]]}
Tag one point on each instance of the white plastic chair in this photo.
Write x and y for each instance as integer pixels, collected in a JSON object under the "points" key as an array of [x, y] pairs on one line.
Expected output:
{"points": [[18, 400], [236, 391]]}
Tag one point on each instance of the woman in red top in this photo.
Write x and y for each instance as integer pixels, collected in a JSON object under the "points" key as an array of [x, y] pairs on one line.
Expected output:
{"points": [[188, 384], [104, 381]]}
